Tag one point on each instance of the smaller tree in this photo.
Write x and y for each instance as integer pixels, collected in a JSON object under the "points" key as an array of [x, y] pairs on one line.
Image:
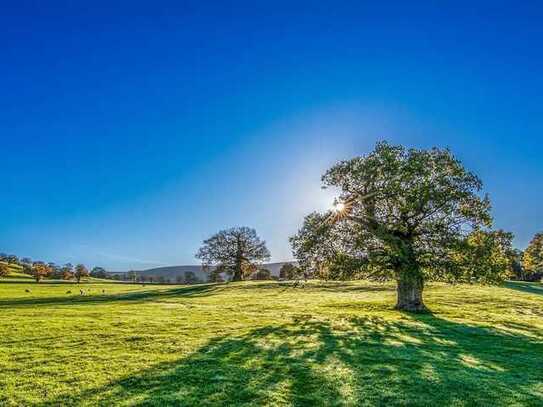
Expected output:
{"points": [[12, 259], [215, 276], [532, 260], [40, 270], [234, 251], [80, 272], [263, 274], [56, 271], [132, 276], [4, 269], [483, 256], [67, 271], [98, 272], [289, 271], [26, 260], [190, 278]]}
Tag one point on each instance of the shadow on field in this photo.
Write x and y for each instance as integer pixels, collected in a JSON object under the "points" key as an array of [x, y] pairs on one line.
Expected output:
{"points": [[139, 296], [526, 287], [340, 287], [417, 360]]}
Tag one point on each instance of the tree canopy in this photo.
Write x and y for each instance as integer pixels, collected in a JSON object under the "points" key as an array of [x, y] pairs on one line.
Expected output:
{"points": [[533, 255], [80, 272], [234, 251], [404, 214]]}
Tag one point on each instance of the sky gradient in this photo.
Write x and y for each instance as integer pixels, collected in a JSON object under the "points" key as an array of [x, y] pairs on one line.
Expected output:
{"points": [[131, 133]]}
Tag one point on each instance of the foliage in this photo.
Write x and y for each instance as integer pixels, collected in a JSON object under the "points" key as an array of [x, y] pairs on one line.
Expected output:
{"points": [[40, 271], [262, 274], [80, 272], [98, 272], [215, 276], [533, 256], [329, 344], [4, 269], [289, 271], [190, 278], [483, 256], [234, 251], [68, 271], [405, 214]]}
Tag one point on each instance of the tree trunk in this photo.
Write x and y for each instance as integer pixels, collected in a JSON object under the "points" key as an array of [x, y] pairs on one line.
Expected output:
{"points": [[238, 270], [409, 288]]}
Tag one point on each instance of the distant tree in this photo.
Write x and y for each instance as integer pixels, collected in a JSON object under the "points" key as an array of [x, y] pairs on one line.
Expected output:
{"points": [[233, 251], [27, 268], [40, 270], [532, 259], [190, 278], [289, 271], [4, 269], [132, 276], [161, 279], [56, 271], [402, 214], [68, 271], [215, 276], [263, 274], [483, 256], [517, 270], [80, 272], [26, 260], [98, 272], [3, 257], [12, 259]]}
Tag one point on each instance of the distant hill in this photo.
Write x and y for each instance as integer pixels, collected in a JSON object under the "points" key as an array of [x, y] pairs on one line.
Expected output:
{"points": [[173, 272]]}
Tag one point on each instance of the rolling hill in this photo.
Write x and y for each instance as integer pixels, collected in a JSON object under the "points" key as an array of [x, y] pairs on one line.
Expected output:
{"points": [[173, 272]]}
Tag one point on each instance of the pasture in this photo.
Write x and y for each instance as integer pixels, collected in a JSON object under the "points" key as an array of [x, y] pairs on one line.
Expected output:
{"points": [[268, 343]]}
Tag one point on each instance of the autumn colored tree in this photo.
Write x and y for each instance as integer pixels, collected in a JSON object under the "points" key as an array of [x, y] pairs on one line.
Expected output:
{"points": [[4, 269], [40, 271], [80, 272], [401, 214], [234, 251]]}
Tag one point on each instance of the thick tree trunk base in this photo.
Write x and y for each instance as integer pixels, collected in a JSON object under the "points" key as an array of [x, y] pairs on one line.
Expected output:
{"points": [[410, 295]]}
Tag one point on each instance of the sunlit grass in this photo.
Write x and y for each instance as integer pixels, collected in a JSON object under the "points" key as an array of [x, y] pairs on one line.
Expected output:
{"points": [[269, 344]]}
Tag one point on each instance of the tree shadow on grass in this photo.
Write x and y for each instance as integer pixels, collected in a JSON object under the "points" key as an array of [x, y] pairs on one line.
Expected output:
{"points": [[139, 296], [332, 286], [417, 360], [526, 287]]}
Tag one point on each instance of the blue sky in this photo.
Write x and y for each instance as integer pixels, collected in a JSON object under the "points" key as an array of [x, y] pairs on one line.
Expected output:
{"points": [[131, 133]]}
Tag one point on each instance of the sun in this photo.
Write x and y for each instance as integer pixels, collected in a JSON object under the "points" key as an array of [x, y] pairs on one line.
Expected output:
{"points": [[339, 207]]}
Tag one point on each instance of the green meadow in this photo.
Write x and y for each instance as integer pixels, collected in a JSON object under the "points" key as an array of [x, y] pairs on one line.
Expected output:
{"points": [[269, 343]]}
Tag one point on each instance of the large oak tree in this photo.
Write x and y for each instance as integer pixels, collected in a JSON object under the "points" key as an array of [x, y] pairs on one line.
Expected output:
{"points": [[405, 214], [235, 251]]}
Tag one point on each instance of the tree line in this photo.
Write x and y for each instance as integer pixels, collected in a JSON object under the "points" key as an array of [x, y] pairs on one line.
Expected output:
{"points": [[40, 270]]}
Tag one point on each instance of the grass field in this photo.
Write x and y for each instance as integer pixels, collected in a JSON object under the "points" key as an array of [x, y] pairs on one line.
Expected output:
{"points": [[269, 344]]}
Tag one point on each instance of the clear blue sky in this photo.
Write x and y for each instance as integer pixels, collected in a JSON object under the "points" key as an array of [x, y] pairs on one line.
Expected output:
{"points": [[129, 133]]}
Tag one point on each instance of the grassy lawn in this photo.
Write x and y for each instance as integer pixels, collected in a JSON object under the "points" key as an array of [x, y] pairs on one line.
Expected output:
{"points": [[269, 344]]}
